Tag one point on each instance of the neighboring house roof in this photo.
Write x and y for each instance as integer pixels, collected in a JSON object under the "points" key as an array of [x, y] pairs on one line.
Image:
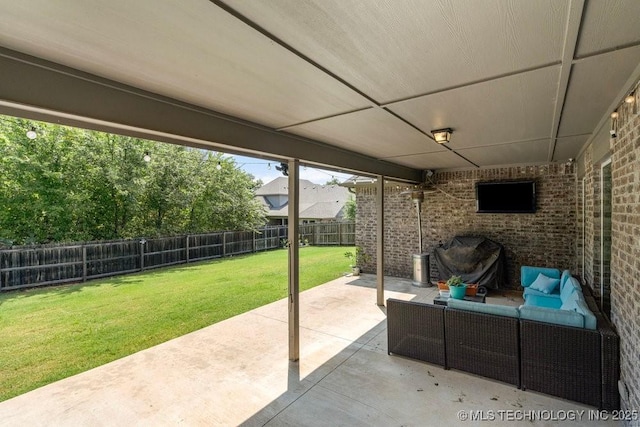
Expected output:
{"points": [[317, 201], [278, 186], [357, 180]]}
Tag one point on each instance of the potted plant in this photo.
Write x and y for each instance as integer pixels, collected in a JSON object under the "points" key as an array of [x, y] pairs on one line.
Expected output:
{"points": [[358, 259], [457, 288]]}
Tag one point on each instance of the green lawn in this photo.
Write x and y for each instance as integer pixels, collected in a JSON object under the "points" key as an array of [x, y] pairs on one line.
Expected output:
{"points": [[49, 334]]}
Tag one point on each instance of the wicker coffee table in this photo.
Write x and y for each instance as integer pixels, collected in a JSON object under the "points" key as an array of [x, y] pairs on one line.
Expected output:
{"points": [[444, 300]]}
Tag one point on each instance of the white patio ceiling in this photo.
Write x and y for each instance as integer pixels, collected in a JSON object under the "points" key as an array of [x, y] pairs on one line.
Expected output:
{"points": [[519, 81]]}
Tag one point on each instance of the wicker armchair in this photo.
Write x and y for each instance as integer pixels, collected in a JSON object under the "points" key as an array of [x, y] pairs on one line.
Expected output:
{"points": [[483, 344], [562, 361], [416, 330]]}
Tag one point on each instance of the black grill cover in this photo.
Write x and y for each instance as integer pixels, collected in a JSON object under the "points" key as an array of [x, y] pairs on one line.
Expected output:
{"points": [[475, 259]]}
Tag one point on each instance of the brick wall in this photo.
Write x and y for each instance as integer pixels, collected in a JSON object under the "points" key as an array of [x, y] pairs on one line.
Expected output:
{"points": [[400, 234], [625, 244], [580, 228], [591, 187], [547, 237]]}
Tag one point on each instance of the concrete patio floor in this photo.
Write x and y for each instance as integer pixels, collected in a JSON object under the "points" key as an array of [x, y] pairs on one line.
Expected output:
{"points": [[236, 372]]}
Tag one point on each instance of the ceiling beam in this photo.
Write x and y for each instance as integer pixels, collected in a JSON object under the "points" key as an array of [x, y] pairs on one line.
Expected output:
{"points": [[42, 90], [572, 30]]}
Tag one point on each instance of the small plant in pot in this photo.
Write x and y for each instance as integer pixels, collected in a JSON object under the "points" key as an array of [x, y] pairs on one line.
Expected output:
{"points": [[457, 288], [358, 259]]}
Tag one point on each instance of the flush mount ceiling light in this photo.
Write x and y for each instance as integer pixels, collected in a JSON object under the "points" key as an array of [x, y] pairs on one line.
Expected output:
{"points": [[442, 136]]}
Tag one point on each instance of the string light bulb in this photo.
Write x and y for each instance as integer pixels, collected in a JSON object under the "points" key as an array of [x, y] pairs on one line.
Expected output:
{"points": [[218, 166], [147, 157], [614, 115], [630, 99]]}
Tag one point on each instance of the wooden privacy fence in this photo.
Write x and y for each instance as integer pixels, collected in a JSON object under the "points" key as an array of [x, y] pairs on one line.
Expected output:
{"points": [[31, 266], [329, 233]]}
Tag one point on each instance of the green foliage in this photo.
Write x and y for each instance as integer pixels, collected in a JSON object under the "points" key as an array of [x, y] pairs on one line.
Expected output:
{"points": [[52, 333], [358, 257], [333, 181], [455, 281], [350, 209], [71, 184]]}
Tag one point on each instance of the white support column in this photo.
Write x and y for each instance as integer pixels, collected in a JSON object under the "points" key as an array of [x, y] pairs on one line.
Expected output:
{"points": [[380, 239], [294, 261]]}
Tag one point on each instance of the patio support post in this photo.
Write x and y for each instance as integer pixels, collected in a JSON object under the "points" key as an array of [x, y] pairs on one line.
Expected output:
{"points": [[380, 240], [294, 277]]}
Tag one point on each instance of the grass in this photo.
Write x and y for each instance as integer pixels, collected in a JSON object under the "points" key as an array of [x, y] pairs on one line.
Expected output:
{"points": [[52, 333]]}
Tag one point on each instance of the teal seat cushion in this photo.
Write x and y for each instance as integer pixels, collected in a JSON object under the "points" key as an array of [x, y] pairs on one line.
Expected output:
{"points": [[590, 321], [495, 309], [549, 315], [566, 274], [575, 302], [528, 291], [545, 284], [528, 274], [543, 300], [572, 285], [570, 302]]}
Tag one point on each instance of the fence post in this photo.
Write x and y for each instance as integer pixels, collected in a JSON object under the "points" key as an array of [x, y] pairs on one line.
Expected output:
{"points": [[84, 263], [187, 248], [0, 270], [142, 242], [224, 243], [339, 234], [253, 242]]}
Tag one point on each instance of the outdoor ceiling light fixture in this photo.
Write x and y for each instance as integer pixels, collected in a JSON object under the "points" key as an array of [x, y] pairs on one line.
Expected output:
{"points": [[442, 136], [31, 133]]}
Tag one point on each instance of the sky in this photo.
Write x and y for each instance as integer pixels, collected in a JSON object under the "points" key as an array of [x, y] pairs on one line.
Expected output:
{"points": [[266, 170]]}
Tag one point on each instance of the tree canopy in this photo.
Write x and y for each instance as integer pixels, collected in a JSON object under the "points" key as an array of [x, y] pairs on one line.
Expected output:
{"points": [[71, 184]]}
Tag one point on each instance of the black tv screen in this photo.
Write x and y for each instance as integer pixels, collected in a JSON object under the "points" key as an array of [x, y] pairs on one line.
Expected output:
{"points": [[506, 197]]}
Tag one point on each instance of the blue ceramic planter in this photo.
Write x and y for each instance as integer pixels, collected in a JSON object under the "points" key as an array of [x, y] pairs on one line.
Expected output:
{"points": [[458, 292]]}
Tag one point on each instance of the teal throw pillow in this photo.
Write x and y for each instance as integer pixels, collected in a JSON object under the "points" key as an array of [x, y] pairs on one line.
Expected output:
{"points": [[544, 284]]}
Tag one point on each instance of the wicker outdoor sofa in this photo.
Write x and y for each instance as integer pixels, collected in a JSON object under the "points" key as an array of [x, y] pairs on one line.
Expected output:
{"points": [[568, 362]]}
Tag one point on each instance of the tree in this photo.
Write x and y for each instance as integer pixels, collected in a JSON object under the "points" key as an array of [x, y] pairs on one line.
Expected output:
{"points": [[228, 201], [74, 184], [39, 188], [333, 181], [350, 209]]}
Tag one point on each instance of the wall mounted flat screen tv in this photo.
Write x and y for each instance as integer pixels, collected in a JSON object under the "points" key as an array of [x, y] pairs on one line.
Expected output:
{"points": [[506, 197]]}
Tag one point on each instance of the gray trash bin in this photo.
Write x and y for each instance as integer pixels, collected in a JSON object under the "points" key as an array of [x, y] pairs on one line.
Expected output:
{"points": [[421, 270]]}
